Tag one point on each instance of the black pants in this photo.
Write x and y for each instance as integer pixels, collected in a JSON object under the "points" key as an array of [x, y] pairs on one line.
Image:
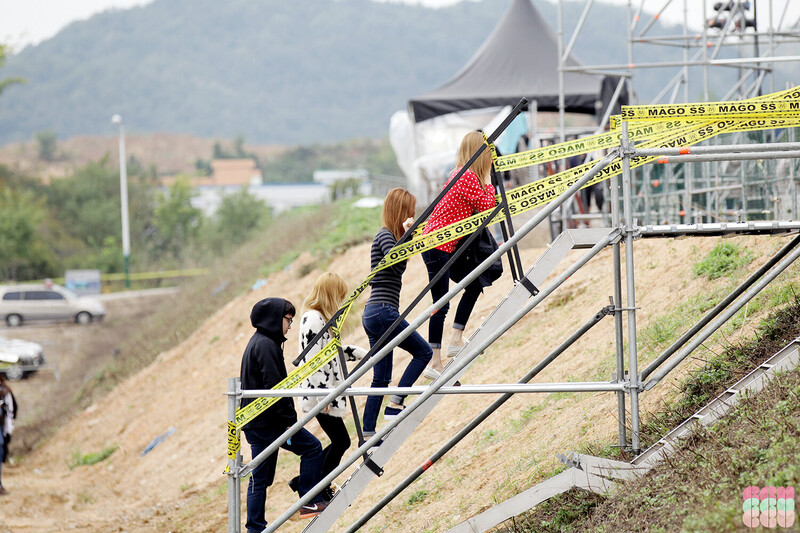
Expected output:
{"points": [[593, 191], [334, 428], [302, 443], [435, 260]]}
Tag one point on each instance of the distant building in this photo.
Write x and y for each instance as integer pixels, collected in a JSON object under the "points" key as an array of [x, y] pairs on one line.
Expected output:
{"points": [[278, 196], [225, 172]]}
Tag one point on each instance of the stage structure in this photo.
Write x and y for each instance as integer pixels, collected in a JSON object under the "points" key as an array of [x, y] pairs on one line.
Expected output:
{"points": [[748, 38]]}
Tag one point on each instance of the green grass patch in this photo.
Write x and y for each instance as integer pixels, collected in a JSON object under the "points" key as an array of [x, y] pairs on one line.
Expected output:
{"points": [[350, 227], [559, 514], [698, 489], [417, 497], [724, 259], [527, 415], [563, 512], [662, 331], [78, 459]]}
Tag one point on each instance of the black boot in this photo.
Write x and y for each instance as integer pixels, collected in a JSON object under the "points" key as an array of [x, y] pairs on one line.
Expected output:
{"points": [[293, 484]]}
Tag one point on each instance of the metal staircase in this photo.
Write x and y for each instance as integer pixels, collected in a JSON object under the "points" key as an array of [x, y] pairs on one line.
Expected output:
{"points": [[516, 298], [586, 472]]}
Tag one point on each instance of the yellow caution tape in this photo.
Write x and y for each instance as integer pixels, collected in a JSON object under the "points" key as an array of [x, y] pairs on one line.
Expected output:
{"points": [[581, 146], [772, 105], [234, 442], [688, 131], [542, 191], [637, 132], [712, 110], [292, 380]]}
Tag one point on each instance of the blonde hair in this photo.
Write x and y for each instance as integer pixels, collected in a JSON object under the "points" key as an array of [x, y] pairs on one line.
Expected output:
{"points": [[397, 207], [327, 295], [469, 145]]}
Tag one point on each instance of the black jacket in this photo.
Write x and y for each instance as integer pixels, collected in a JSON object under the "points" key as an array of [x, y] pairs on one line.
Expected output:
{"points": [[263, 366]]}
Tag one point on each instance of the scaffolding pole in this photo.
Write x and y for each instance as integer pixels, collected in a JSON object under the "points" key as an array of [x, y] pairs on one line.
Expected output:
{"points": [[630, 294]]}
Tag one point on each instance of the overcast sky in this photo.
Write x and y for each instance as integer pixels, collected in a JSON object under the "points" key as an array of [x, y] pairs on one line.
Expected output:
{"points": [[32, 21]]}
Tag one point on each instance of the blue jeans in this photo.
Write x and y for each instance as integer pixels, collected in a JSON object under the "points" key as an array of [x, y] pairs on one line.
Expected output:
{"points": [[434, 261], [376, 320], [302, 443]]}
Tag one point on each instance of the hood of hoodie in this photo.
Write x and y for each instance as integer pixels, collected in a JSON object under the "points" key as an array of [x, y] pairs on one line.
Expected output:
{"points": [[267, 317]]}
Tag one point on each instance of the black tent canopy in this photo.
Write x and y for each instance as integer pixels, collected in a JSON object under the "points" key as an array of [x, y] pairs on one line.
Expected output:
{"points": [[519, 59]]}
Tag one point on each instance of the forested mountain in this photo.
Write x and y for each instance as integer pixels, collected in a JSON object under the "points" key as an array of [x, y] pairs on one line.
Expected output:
{"points": [[270, 70]]}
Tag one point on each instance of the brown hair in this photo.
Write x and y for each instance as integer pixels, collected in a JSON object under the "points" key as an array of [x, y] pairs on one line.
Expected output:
{"points": [[397, 207], [469, 145]]}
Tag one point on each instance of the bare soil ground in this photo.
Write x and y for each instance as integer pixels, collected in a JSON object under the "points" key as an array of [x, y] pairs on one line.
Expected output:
{"points": [[170, 153], [179, 485], [74, 354]]}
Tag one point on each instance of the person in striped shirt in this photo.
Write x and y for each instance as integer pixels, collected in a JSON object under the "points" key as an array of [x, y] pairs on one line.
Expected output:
{"points": [[472, 193], [382, 309]]}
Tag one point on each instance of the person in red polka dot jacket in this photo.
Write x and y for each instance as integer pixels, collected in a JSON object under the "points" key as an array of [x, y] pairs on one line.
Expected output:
{"points": [[472, 193]]}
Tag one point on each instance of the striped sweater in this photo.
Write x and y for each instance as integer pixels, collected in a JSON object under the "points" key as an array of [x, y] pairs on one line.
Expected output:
{"points": [[387, 283]]}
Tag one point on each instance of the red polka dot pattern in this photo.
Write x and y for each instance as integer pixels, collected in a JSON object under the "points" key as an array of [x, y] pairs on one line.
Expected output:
{"points": [[465, 198]]}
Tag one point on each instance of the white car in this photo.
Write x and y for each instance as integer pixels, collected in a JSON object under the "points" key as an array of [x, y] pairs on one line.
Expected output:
{"points": [[20, 358], [37, 301]]}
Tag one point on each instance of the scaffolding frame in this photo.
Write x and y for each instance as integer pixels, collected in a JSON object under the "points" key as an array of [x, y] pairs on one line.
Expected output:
{"points": [[627, 381], [711, 191], [722, 189]]}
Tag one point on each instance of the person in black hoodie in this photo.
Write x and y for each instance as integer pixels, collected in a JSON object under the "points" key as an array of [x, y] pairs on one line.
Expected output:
{"points": [[263, 367]]}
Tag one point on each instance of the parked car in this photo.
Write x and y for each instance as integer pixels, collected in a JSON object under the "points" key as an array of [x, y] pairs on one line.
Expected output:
{"points": [[19, 358], [38, 301]]}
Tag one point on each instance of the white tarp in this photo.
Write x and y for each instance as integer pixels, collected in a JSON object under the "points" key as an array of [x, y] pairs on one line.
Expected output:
{"points": [[426, 151]]}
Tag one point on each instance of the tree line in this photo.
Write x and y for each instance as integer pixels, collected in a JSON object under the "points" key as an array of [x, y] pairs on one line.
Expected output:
{"points": [[274, 71], [75, 222]]}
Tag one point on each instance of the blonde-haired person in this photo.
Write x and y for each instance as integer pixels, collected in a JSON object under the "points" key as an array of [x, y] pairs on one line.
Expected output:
{"points": [[472, 193], [327, 295], [383, 308]]}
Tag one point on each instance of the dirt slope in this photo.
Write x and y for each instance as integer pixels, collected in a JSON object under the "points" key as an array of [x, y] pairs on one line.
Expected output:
{"points": [[179, 486]]}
